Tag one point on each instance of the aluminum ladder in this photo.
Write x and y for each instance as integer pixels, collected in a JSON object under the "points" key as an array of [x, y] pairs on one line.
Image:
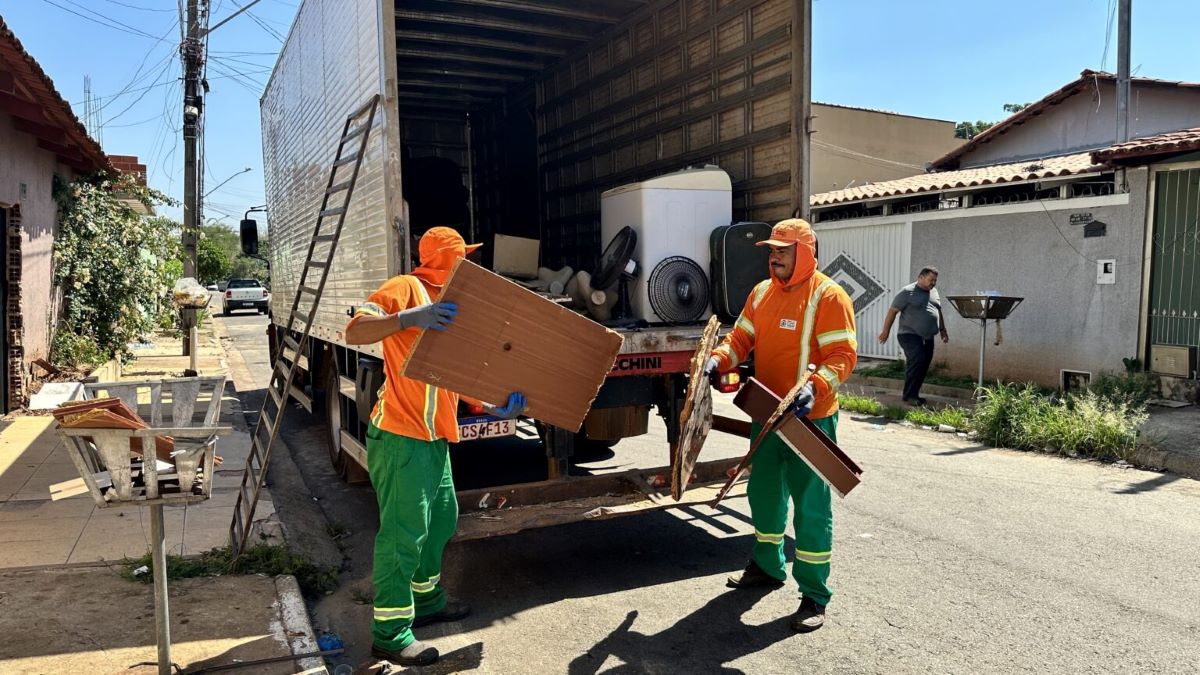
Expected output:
{"points": [[308, 292]]}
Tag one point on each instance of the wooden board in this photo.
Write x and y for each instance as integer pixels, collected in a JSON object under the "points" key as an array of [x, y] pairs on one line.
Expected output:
{"points": [[828, 460], [506, 338], [110, 413], [695, 419]]}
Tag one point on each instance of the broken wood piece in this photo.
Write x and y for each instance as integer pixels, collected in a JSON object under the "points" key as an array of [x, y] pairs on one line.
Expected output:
{"points": [[49, 368], [695, 418], [777, 418], [506, 338], [86, 413], [804, 438]]}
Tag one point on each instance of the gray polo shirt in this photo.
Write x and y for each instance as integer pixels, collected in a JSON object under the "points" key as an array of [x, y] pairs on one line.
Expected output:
{"points": [[918, 311]]}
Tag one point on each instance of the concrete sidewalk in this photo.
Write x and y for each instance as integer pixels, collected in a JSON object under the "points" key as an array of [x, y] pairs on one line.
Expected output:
{"points": [[35, 531], [55, 555]]}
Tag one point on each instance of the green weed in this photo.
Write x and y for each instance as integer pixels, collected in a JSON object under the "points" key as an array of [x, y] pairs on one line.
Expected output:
{"points": [[1018, 416], [268, 559], [860, 404], [938, 374]]}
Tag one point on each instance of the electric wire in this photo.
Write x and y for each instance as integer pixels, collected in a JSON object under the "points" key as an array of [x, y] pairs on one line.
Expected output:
{"points": [[104, 21], [143, 9]]}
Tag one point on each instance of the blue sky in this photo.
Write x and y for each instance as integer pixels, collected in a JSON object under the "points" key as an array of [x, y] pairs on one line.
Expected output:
{"points": [[934, 58]]}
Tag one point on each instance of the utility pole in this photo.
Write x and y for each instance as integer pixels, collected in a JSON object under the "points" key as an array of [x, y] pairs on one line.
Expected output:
{"points": [[801, 106], [193, 107], [1124, 9]]}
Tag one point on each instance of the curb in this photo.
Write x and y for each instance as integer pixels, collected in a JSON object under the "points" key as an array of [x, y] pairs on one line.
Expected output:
{"points": [[297, 628], [897, 385], [1162, 460]]}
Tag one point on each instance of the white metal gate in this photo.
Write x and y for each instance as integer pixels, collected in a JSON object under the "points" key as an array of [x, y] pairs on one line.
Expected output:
{"points": [[872, 262]]}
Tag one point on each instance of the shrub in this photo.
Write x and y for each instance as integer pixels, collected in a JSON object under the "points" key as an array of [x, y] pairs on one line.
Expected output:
{"points": [[1018, 416], [111, 264], [1130, 388]]}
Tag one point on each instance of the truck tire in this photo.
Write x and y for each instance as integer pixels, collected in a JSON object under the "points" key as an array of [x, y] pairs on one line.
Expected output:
{"points": [[333, 423]]}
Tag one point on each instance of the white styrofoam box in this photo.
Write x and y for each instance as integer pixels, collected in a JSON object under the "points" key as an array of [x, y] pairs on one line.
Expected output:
{"points": [[673, 215], [515, 257]]}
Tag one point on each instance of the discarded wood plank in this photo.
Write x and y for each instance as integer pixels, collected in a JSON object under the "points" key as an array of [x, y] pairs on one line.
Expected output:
{"points": [[506, 338], [824, 456], [695, 418]]}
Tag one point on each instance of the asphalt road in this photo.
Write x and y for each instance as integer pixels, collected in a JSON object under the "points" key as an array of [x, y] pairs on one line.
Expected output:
{"points": [[950, 557]]}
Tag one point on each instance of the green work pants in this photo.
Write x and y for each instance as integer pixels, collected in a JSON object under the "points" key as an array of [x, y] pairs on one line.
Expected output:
{"points": [[777, 473], [418, 513]]}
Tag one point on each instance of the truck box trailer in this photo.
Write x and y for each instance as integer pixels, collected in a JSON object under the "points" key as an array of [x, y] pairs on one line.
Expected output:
{"points": [[513, 118]]}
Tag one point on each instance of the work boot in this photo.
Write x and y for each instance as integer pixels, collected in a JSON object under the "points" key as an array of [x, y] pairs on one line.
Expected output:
{"points": [[753, 577], [416, 654], [809, 617], [453, 611]]}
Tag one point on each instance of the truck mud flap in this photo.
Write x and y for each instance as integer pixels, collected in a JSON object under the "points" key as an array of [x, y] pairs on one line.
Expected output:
{"points": [[492, 512]]}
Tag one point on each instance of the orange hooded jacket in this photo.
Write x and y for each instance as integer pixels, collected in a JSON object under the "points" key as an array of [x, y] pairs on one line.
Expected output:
{"points": [[407, 407], [788, 325]]}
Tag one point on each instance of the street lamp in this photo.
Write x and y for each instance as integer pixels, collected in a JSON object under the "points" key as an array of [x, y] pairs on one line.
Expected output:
{"points": [[245, 170]]}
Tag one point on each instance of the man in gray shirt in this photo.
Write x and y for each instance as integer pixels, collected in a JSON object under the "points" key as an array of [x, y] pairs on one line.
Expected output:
{"points": [[920, 310]]}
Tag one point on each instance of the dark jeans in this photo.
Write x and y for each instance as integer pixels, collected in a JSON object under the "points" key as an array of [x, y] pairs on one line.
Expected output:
{"points": [[918, 354]]}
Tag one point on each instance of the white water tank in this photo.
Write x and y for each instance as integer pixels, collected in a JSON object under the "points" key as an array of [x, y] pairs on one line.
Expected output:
{"points": [[673, 215]]}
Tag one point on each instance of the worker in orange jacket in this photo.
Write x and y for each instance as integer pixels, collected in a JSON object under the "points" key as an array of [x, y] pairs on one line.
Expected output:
{"points": [[408, 454], [797, 317]]}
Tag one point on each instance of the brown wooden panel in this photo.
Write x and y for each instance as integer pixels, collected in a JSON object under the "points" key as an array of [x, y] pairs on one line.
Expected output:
{"points": [[507, 338]]}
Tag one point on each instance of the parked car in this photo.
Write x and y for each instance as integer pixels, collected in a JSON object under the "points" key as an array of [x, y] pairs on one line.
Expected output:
{"points": [[245, 294], [211, 287]]}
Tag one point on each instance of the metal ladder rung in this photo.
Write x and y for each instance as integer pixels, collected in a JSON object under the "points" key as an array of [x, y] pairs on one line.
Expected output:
{"points": [[358, 131], [363, 109], [281, 386]]}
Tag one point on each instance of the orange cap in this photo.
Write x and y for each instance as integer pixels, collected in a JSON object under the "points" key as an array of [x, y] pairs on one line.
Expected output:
{"points": [[439, 240], [789, 233]]}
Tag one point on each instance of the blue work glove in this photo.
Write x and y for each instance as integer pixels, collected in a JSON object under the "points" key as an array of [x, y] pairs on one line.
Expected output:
{"points": [[437, 315], [512, 409], [710, 368], [804, 402]]}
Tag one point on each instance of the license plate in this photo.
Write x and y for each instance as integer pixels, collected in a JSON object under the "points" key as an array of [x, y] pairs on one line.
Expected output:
{"points": [[475, 428]]}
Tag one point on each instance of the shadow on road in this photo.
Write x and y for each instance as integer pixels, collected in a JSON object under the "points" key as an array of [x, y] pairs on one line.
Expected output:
{"points": [[1149, 485], [703, 641], [963, 451]]}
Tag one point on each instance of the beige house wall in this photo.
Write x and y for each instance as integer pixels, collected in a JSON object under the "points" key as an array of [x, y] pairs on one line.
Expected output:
{"points": [[853, 144], [26, 178]]}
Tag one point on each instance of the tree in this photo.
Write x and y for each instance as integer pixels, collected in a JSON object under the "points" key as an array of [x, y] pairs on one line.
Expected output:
{"points": [[212, 263], [970, 130], [113, 266]]}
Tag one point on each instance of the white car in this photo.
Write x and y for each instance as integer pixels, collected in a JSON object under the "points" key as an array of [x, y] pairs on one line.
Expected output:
{"points": [[211, 287], [245, 294]]}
